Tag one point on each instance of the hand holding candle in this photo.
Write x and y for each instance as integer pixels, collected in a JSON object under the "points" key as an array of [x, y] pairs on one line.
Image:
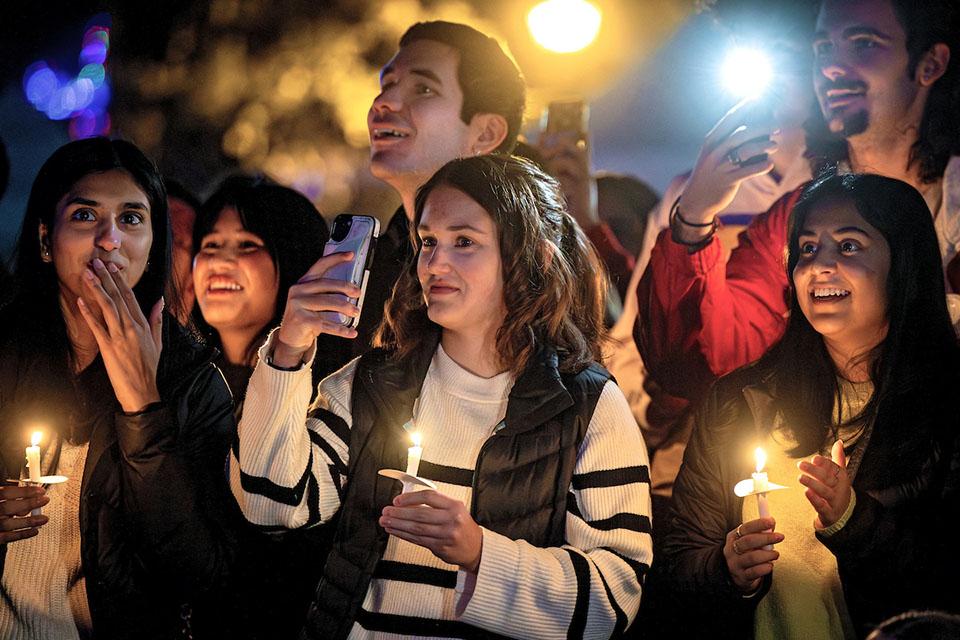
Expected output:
{"points": [[409, 478], [828, 486], [16, 505], [748, 551], [34, 477], [435, 521]]}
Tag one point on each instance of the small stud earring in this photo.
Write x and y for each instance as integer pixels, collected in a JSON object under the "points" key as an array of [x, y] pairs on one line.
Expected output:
{"points": [[45, 255]]}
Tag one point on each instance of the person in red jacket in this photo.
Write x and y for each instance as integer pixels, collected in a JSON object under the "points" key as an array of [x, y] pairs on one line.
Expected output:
{"points": [[884, 80]]}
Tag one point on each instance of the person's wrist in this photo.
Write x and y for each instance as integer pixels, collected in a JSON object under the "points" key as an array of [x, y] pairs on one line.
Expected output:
{"points": [[690, 231], [136, 406], [474, 565], [285, 356]]}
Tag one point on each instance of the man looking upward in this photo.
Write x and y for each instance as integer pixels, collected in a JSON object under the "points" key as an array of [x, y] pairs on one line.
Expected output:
{"points": [[449, 92]]}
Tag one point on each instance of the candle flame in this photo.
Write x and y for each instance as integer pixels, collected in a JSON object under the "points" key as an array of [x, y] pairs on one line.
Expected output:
{"points": [[35, 438], [761, 457], [415, 438]]}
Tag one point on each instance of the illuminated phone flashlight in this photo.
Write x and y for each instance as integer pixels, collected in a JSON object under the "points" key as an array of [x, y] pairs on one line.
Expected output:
{"points": [[746, 72]]}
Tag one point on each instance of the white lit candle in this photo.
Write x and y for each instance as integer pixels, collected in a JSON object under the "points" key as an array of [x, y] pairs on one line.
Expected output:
{"points": [[33, 456], [760, 482], [761, 485], [414, 454]]}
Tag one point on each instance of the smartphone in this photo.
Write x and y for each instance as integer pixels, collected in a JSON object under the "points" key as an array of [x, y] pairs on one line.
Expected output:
{"points": [[758, 111], [357, 234], [563, 116]]}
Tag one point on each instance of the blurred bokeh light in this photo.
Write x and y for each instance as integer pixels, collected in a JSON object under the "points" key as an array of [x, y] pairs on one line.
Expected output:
{"points": [[564, 26], [83, 98]]}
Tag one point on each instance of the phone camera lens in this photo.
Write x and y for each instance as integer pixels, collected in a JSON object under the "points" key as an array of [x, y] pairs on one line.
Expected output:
{"points": [[341, 227]]}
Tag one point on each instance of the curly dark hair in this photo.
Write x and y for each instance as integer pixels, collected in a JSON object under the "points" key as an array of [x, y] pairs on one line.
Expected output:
{"points": [[553, 280]]}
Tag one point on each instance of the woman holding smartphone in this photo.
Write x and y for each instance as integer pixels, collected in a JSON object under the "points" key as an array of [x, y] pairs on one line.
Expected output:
{"points": [[132, 411], [542, 501], [253, 240], [859, 395]]}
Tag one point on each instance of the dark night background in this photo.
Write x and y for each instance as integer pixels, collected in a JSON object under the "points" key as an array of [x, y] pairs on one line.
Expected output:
{"points": [[283, 87]]}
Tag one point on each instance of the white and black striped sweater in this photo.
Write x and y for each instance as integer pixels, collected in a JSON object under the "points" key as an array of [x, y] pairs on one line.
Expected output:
{"points": [[521, 591]]}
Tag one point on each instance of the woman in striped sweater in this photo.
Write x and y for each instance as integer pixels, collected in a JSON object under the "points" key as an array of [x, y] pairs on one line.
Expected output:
{"points": [[539, 527]]}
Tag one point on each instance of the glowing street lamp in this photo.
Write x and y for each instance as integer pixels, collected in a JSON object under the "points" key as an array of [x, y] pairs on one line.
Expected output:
{"points": [[746, 72], [564, 26]]}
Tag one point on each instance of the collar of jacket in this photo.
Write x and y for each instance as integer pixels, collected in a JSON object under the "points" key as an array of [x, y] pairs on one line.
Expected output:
{"points": [[537, 395]]}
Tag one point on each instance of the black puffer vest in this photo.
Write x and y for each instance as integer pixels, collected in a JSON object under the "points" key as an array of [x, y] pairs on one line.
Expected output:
{"points": [[520, 483]]}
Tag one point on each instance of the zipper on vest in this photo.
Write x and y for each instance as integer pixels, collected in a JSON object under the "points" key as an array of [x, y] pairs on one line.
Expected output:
{"points": [[497, 428]]}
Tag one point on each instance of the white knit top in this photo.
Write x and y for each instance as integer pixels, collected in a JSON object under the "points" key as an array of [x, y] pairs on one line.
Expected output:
{"points": [[42, 574], [521, 591]]}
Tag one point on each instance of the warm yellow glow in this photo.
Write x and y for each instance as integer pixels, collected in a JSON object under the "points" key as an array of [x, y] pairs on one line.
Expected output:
{"points": [[747, 72], [564, 26], [761, 457], [35, 438], [415, 438]]}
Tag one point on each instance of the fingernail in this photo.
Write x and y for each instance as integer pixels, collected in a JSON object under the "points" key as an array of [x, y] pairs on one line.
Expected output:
{"points": [[112, 268], [89, 275], [98, 263]]}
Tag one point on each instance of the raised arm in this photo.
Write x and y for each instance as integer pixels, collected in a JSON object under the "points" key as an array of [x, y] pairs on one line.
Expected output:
{"points": [[700, 318], [289, 465]]}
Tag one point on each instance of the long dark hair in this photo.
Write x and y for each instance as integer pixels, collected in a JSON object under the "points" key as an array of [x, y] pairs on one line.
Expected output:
{"points": [[37, 286], [920, 342], [553, 281], [36, 367], [292, 230]]}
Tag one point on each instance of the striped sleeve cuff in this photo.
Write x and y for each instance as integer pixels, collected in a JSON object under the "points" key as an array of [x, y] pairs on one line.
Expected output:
{"points": [[488, 601]]}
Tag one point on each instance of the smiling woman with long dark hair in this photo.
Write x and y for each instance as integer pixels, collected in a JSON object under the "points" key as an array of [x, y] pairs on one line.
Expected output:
{"points": [[252, 241], [132, 411], [859, 394]]}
